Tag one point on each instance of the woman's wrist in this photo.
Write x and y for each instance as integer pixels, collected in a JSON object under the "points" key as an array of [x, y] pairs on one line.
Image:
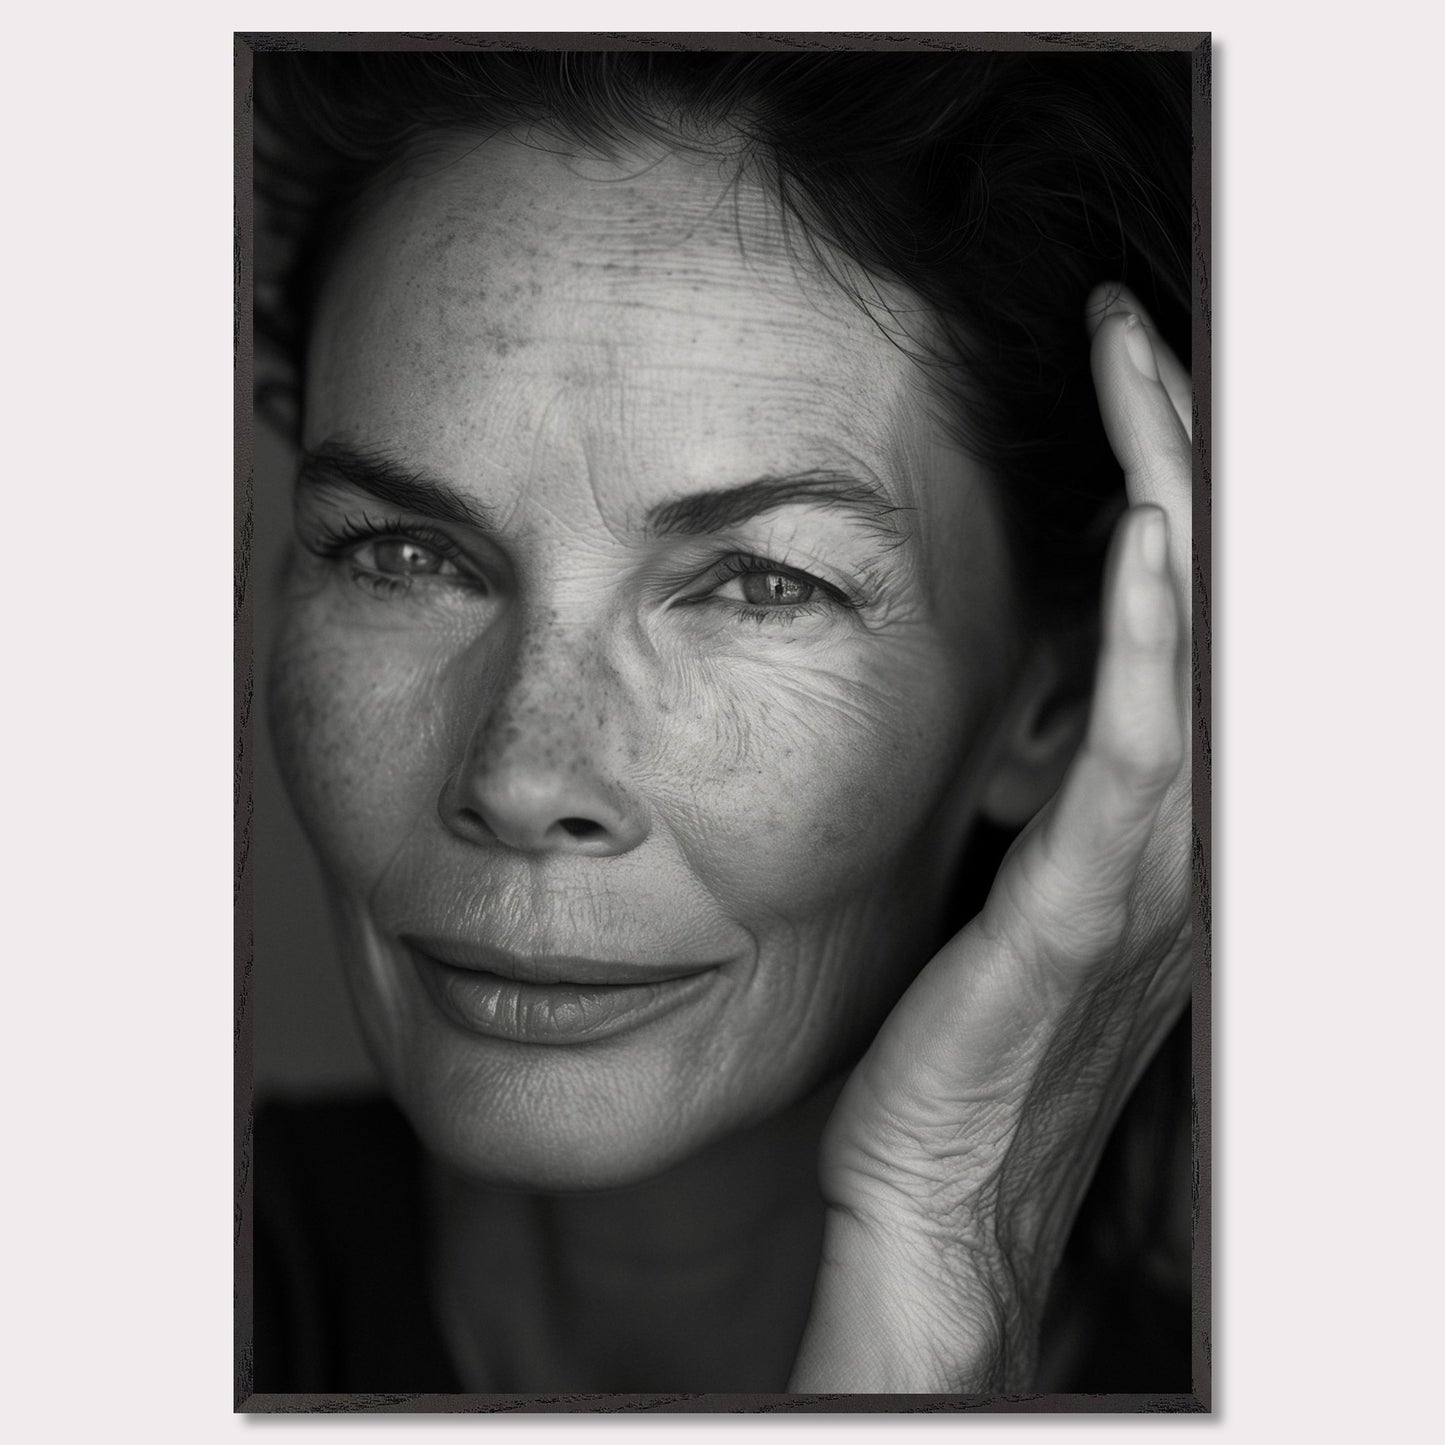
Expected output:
{"points": [[902, 1308]]}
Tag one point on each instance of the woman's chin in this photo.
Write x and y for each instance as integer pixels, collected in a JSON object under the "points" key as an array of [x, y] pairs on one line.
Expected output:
{"points": [[558, 1126], [547, 1155]]}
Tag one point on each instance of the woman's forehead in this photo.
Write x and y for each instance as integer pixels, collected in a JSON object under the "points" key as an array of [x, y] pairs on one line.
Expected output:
{"points": [[649, 312]]}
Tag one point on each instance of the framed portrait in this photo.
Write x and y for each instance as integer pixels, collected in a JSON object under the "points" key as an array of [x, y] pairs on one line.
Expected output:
{"points": [[723, 693]]}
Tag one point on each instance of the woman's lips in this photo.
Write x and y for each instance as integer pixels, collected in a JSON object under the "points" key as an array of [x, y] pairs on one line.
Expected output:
{"points": [[551, 998]]}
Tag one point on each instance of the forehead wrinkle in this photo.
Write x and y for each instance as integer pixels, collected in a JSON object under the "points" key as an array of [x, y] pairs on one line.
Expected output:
{"points": [[605, 452], [812, 392], [650, 218], [627, 226], [591, 216], [578, 446], [788, 466], [508, 269], [492, 264]]}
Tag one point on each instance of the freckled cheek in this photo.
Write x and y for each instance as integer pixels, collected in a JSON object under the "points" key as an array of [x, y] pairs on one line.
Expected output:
{"points": [[357, 734]]}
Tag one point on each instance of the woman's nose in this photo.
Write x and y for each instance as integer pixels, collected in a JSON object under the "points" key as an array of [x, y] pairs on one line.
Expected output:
{"points": [[536, 775]]}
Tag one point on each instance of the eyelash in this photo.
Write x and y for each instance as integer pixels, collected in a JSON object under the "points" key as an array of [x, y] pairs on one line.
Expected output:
{"points": [[338, 540], [745, 564]]}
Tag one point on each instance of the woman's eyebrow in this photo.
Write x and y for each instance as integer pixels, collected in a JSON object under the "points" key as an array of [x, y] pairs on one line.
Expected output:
{"points": [[713, 511], [386, 479], [698, 513]]}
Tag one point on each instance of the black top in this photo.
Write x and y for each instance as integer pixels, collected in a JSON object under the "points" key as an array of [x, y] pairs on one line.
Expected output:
{"points": [[341, 1270], [341, 1254]]}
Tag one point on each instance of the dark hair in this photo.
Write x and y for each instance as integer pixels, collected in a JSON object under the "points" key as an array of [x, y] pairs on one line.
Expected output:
{"points": [[1000, 188]]}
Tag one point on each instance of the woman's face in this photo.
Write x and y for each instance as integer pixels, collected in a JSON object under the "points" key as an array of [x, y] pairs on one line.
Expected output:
{"points": [[646, 651]]}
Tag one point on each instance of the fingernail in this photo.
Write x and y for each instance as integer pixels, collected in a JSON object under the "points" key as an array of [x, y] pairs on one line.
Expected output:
{"points": [[1141, 349], [1152, 537]]}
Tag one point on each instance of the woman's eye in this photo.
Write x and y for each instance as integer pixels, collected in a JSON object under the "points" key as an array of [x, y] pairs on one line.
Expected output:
{"points": [[770, 589], [387, 559], [401, 557], [765, 591]]}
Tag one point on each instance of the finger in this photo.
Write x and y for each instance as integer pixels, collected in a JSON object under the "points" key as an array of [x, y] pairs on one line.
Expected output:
{"points": [[1113, 299], [970, 1025], [1064, 893], [1151, 445]]}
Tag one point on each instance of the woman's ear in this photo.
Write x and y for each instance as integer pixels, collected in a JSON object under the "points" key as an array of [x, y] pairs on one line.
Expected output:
{"points": [[1046, 722]]}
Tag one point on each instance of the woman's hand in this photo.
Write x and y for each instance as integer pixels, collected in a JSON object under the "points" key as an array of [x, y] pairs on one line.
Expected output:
{"points": [[962, 1144]]}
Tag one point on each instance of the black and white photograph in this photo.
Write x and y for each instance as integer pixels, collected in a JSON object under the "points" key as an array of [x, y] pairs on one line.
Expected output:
{"points": [[725, 731], [723, 920]]}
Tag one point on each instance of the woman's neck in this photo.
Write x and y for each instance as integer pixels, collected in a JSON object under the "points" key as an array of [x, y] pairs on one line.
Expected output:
{"points": [[698, 1280]]}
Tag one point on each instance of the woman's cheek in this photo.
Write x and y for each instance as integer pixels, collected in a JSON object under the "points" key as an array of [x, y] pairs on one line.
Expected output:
{"points": [[807, 780], [356, 726]]}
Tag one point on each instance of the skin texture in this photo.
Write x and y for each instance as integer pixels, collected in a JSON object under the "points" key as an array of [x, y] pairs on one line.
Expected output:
{"points": [[959, 1149], [570, 343]]}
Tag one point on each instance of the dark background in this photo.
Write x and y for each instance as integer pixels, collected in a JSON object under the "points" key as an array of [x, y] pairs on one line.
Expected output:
{"points": [[304, 1040]]}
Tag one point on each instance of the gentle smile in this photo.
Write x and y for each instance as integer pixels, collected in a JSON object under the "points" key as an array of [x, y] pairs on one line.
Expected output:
{"points": [[551, 998]]}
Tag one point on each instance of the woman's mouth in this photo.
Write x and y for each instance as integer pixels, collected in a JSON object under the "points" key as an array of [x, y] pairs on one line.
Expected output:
{"points": [[551, 999]]}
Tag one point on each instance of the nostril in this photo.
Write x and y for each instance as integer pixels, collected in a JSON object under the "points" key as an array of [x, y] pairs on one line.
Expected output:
{"points": [[474, 823], [583, 828], [526, 814]]}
